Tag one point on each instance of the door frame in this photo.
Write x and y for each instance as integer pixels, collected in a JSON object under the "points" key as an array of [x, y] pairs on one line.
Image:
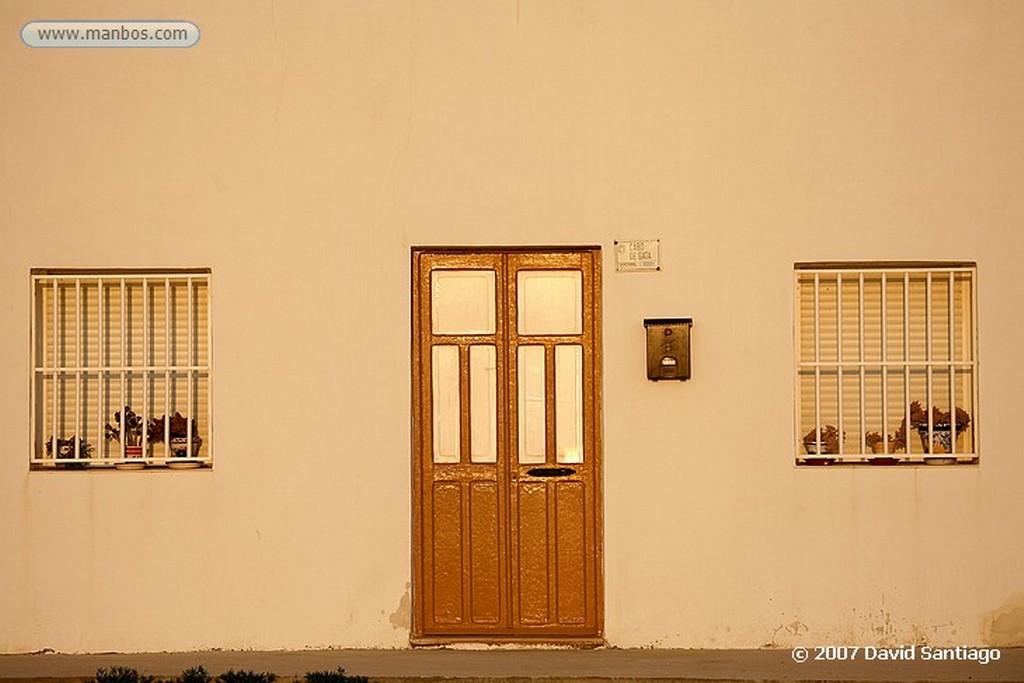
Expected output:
{"points": [[419, 414]]}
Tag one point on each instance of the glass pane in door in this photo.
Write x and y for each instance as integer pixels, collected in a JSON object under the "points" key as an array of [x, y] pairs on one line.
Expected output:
{"points": [[532, 418], [483, 403], [569, 403], [550, 301], [445, 379], [462, 302]]}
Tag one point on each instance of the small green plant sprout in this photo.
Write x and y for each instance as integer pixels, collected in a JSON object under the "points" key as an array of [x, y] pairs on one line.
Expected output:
{"points": [[246, 676], [196, 674], [120, 674], [337, 676]]}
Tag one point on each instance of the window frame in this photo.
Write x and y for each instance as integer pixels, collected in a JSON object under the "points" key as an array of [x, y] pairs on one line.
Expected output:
{"points": [[192, 377], [903, 369]]}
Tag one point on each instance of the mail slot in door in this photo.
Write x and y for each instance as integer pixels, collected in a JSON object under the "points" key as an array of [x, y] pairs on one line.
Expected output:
{"points": [[668, 348]]}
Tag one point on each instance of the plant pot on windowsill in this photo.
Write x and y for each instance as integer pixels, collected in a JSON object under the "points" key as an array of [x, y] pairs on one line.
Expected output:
{"points": [[818, 454], [132, 458], [179, 428], [820, 444], [179, 446], [882, 451], [939, 450], [942, 438], [128, 426], [66, 451], [942, 444]]}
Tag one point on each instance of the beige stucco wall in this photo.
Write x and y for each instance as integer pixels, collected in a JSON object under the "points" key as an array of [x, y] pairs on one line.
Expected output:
{"points": [[301, 149]]}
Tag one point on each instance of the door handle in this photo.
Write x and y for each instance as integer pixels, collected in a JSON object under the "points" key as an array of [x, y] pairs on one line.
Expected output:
{"points": [[550, 471]]}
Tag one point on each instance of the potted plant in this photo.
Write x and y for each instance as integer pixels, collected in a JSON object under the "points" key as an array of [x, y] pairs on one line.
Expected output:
{"points": [[941, 429], [131, 429], [875, 442], [881, 447], [819, 445], [178, 431], [66, 451]]}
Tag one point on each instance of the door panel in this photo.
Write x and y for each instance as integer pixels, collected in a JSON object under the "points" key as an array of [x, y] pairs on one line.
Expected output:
{"points": [[506, 493], [485, 542], [570, 544], [447, 553], [533, 577]]}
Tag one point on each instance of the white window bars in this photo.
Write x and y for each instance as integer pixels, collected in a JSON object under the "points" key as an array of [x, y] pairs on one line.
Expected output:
{"points": [[886, 359], [120, 369]]}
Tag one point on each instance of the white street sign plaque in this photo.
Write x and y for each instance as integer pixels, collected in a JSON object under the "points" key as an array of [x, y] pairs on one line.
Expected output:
{"points": [[633, 256]]}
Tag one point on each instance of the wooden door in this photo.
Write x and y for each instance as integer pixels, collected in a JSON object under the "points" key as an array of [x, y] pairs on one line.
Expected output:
{"points": [[506, 408]]}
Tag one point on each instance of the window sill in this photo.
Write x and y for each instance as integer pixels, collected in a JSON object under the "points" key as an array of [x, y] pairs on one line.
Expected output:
{"points": [[140, 464], [881, 460]]}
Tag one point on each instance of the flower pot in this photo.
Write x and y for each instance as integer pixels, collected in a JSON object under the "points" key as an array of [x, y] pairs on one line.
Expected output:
{"points": [[132, 459], [819, 453], [882, 456], [942, 438], [179, 446]]}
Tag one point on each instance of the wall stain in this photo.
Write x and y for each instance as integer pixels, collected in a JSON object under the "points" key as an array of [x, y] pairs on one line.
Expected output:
{"points": [[773, 640], [1004, 627], [401, 618], [796, 626], [885, 628]]}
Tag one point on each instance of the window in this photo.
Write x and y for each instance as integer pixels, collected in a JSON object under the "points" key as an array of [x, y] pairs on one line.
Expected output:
{"points": [[120, 369], [886, 363]]}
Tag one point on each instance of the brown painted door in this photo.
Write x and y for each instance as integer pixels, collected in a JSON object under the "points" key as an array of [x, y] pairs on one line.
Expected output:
{"points": [[506, 497]]}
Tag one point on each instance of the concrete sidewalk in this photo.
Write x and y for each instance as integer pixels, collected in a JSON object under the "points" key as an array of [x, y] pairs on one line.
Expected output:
{"points": [[578, 665]]}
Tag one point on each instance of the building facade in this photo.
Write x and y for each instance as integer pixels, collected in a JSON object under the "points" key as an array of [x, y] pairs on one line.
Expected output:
{"points": [[283, 180]]}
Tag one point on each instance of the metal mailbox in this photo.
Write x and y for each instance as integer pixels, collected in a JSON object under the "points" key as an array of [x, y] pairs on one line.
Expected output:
{"points": [[668, 348]]}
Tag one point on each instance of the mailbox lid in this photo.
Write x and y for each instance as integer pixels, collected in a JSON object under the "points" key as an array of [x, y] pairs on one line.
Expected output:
{"points": [[664, 322]]}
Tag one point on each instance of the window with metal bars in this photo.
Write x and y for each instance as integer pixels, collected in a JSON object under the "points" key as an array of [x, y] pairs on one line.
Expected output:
{"points": [[886, 363], [120, 369]]}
